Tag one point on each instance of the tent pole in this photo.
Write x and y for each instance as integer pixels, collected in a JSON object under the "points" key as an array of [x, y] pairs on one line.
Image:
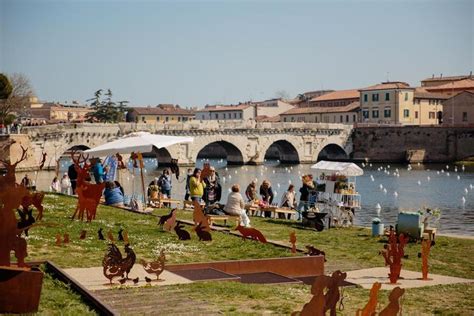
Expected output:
{"points": [[140, 159]]}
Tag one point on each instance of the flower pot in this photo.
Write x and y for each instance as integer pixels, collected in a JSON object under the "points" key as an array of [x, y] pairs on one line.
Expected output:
{"points": [[20, 290]]}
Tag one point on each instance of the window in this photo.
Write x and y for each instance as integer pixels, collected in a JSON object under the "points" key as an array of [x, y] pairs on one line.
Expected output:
{"points": [[406, 113], [224, 115], [387, 96], [143, 119], [347, 118], [365, 97], [240, 115], [365, 113], [167, 119], [387, 112], [432, 115], [416, 114], [464, 116], [179, 118], [353, 118], [406, 96], [316, 119], [216, 116], [292, 119], [157, 118], [284, 119], [375, 97], [235, 115], [375, 113], [340, 119]]}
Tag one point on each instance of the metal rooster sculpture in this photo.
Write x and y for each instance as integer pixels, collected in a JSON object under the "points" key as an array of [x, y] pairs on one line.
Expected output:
{"points": [[155, 267], [115, 265]]}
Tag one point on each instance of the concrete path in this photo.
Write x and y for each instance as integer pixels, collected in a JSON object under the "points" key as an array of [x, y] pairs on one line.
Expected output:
{"points": [[410, 279], [93, 278]]}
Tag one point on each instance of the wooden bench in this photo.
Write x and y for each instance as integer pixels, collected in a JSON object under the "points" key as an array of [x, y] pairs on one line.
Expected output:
{"points": [[212, 218], [189, 206], [160, 201], [278, 210]]}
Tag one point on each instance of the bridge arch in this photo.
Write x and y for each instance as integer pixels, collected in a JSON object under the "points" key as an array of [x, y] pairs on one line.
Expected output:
{"points": [[284, 151], [221, 149], [332, 152]]}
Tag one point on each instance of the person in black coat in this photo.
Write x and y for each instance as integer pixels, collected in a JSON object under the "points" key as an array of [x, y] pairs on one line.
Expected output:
{"points": [[72, 174]]}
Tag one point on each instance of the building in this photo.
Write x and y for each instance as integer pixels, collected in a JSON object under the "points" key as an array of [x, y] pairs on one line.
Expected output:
{"points": [[347, 114], [453, 87], [163, 113], [398, 103], [439, 81], [459, 109], [56, 112], [336, 98], [244, 111]]}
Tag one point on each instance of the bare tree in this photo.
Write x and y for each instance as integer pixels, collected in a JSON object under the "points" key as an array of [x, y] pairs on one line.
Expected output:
{"points": [[18, 100]]}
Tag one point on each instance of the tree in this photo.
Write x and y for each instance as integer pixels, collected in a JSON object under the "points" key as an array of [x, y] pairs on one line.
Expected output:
{"points": [[15, 94], [106, 110]]}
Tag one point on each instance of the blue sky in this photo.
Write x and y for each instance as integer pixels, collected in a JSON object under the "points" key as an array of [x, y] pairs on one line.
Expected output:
{"points": [[194, 53]]}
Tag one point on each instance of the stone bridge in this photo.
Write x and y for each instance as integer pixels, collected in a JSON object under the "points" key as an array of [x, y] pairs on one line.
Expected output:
{"points": [[241, 142]]}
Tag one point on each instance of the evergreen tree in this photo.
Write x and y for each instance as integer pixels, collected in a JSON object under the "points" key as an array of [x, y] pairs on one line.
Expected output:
{"points": [[105, 109]]}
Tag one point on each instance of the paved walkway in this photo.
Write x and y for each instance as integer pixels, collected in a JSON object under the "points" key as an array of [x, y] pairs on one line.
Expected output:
{"points": [[93, 278], [410, 279]]}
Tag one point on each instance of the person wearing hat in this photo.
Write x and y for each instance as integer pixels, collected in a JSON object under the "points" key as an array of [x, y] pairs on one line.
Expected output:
{"points": [[213, 191]]}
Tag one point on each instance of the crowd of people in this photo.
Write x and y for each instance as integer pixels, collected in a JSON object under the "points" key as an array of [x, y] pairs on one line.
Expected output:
{"points": [[206, 190]]}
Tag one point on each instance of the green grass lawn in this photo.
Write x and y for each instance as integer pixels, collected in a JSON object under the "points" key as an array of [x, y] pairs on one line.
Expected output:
{"points": [[346, 249]]}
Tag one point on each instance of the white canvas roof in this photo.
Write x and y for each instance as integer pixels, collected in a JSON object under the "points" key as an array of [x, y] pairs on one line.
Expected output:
{"points": [[137, 142], [348, 169]]}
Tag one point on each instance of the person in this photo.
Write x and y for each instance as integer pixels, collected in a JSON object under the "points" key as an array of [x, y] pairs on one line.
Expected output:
{"points": [[288, 200], [306, 188], [165, 183], [267, 195], [55, 185], [26, 182], [236, 206], [196, 186], [153, 187], [65, 184], [98, 170], [118, 185], [251, 191], [112, 194], [72, 174], [187, 195], [213, 191]]}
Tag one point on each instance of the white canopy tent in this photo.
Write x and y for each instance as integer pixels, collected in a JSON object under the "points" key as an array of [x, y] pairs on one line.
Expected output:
{"points": [[137, 142], [347, 169]]}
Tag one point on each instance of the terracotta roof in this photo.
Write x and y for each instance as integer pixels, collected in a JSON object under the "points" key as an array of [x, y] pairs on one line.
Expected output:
{"points": [[454, 78], [461, 84], [388, 85], [338, 95], [421, 93], [221, 108], [162, 111], [458, 94], [324, 109]]}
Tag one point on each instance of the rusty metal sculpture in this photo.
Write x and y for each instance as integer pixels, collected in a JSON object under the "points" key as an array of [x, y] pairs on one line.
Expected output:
{"points": [[393, 306], [293, 242], [83, 234], [120, 234], [326, 294], [252, 233], [66, 238], [125, 237], [312, 251], [371, 306], [114, 265], [202, 234], [58, 239], [425, 254], [20, 286], [35, 199], [155, 267], [199, 217], [100, 235], [393, 254], [26, 219], [43, 160], [164, 218], [88, 194], [170, 222], [110, 236]]}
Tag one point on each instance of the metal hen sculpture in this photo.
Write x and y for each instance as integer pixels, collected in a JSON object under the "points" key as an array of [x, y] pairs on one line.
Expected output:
{"points": [[155, 267], [114, 265]]}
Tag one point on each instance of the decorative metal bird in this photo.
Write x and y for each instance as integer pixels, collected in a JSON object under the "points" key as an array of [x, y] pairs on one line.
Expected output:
{"points": [[155, 267]]}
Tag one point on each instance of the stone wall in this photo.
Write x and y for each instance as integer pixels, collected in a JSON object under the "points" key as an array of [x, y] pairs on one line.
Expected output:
{"points": [[413, 143]]}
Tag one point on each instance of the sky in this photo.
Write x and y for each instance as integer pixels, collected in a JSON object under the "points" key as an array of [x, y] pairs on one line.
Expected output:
{"points": [[194, 53]]}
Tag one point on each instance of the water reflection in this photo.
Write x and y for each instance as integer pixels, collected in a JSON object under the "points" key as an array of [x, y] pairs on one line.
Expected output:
{"points": [[422, 186]]}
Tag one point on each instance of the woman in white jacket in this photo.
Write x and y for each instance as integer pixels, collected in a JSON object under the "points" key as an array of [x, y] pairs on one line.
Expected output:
{"points": [[236, 206]]}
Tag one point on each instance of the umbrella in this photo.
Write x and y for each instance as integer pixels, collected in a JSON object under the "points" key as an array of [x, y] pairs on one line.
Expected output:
{"points": [[341, 168], [137, 142]]}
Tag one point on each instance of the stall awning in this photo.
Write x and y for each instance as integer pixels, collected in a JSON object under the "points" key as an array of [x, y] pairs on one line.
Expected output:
{"points": [[347, 169], [137, 142]]}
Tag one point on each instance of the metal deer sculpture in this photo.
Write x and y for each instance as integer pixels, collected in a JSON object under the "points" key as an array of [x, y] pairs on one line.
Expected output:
{"points": [[393, 254], [88, 194]]}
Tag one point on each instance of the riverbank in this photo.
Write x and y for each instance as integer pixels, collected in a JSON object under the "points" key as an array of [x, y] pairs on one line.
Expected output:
{"points": [[346, 249]]}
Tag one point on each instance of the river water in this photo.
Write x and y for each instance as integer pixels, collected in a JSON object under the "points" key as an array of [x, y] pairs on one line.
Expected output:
{"points": [[433, 186]]}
